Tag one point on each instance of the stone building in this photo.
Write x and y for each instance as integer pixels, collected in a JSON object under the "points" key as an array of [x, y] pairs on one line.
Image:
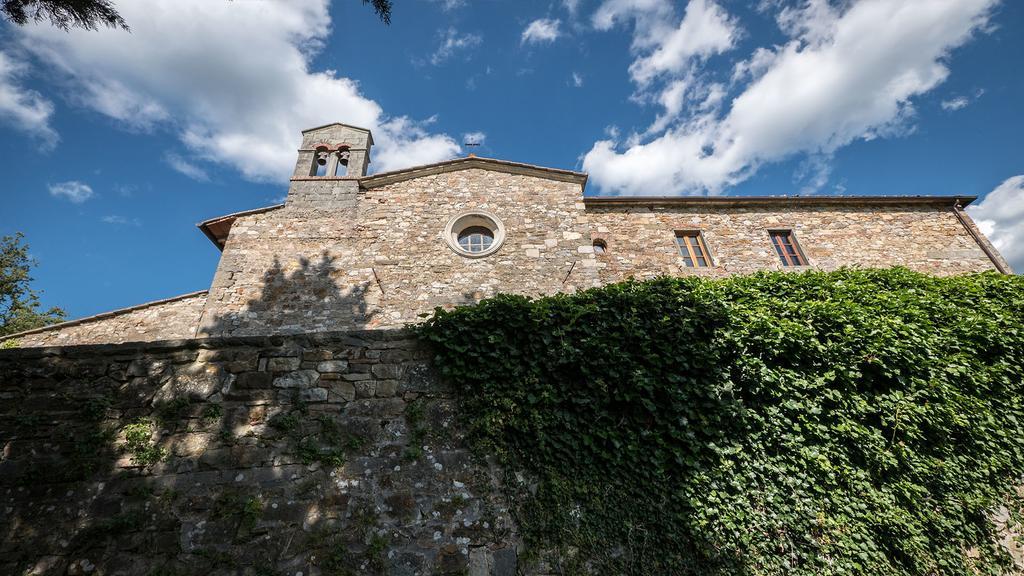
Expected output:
{"points": [[352, 250]]}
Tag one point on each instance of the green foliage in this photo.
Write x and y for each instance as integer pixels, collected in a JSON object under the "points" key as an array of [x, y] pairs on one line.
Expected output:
{"points": [[328, 446], [213, 411], [284, 422], [64, 14], [851, 422], [95, 409], [376, 553], [139, 443], [170, 413], [19, 303], [90, 450], [414, 415], [246, 511]]}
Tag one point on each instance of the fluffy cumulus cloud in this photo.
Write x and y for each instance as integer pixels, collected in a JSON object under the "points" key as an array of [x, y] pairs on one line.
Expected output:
{"points": [[24, 108], [1000, 215], [542, 30], [73, 191], [705, 29], [849, 71], [193, 67]]}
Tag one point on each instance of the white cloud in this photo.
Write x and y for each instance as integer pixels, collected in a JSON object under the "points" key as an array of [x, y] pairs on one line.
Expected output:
{"points": [[193, 67], [577, 80], [449, 5], [26, 109], [451, 43], [651, 17], [955, 103], [704, 30], [572, 6], [74, 191], [541, 30], [185, 167], [960, 102], [1000, 216], [845, 77], [474, 137], [120, 220]]}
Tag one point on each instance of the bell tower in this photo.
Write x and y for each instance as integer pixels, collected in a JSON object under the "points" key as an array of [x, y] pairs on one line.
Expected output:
{"points": [[331, 160], [334, 151]]}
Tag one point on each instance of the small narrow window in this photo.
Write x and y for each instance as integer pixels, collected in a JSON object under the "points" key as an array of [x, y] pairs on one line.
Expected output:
{"points": [[787, 248], [600, 246], [692, 249]]}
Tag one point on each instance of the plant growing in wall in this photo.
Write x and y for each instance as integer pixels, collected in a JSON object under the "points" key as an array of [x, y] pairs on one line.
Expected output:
{"points": [[851, 422]]}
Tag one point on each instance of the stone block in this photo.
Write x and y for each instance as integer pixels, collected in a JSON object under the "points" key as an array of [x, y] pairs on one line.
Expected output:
{"points": [[356, 376], [345, 391], [385, 388], [365, 388], [254, 380], [283, 364], [332, 366], [297, 379], [314, 395], [387, 371]]}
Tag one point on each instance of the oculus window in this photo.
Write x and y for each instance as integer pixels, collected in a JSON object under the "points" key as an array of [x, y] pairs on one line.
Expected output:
{"points": [[474, 234]]}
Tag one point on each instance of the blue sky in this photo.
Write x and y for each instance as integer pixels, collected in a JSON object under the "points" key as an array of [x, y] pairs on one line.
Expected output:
{"points": [[114, 145]]}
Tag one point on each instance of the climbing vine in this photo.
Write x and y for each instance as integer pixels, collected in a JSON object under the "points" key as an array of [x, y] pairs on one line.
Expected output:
{"points": [[849, 422]]}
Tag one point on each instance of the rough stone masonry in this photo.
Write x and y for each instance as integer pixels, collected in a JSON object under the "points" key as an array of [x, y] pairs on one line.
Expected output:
{"points": [[315, 454], [349, 250]]}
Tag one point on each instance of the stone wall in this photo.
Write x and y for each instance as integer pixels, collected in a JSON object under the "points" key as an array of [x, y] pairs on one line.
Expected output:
{"points": [[172, 318], [377, 258], [319, 454], [928, 238]]}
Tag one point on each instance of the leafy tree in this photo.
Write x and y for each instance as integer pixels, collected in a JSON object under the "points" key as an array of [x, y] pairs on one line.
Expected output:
{"points": [[19, 303], [64, 14], [90, 14], [382, 8]]}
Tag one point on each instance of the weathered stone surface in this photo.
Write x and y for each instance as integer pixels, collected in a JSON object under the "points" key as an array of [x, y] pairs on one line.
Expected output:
{"points": [[314, 395], [162, 320], [332, 366], [283, 364], [239, 484], [297, 379], [192, 381]]}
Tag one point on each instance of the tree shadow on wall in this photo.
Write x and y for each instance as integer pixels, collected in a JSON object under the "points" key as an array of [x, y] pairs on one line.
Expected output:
{"points": [[196, 460], [304, 296]]}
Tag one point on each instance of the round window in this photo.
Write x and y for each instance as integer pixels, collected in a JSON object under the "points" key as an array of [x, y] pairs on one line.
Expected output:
{"points": [[476, 239], [474, 234]]}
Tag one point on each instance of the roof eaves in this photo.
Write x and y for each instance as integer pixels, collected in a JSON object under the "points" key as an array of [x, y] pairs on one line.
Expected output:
{"points": [[205, 225], [341, 124], [772, 200], [384, 178], [103, 315]]}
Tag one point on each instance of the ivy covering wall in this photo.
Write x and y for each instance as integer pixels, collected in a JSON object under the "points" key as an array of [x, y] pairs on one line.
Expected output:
{"points": [[851, 422]]}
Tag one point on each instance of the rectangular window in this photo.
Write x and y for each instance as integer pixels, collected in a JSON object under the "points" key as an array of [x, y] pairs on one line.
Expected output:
{"points": [[787, 248], [692, 249]]}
